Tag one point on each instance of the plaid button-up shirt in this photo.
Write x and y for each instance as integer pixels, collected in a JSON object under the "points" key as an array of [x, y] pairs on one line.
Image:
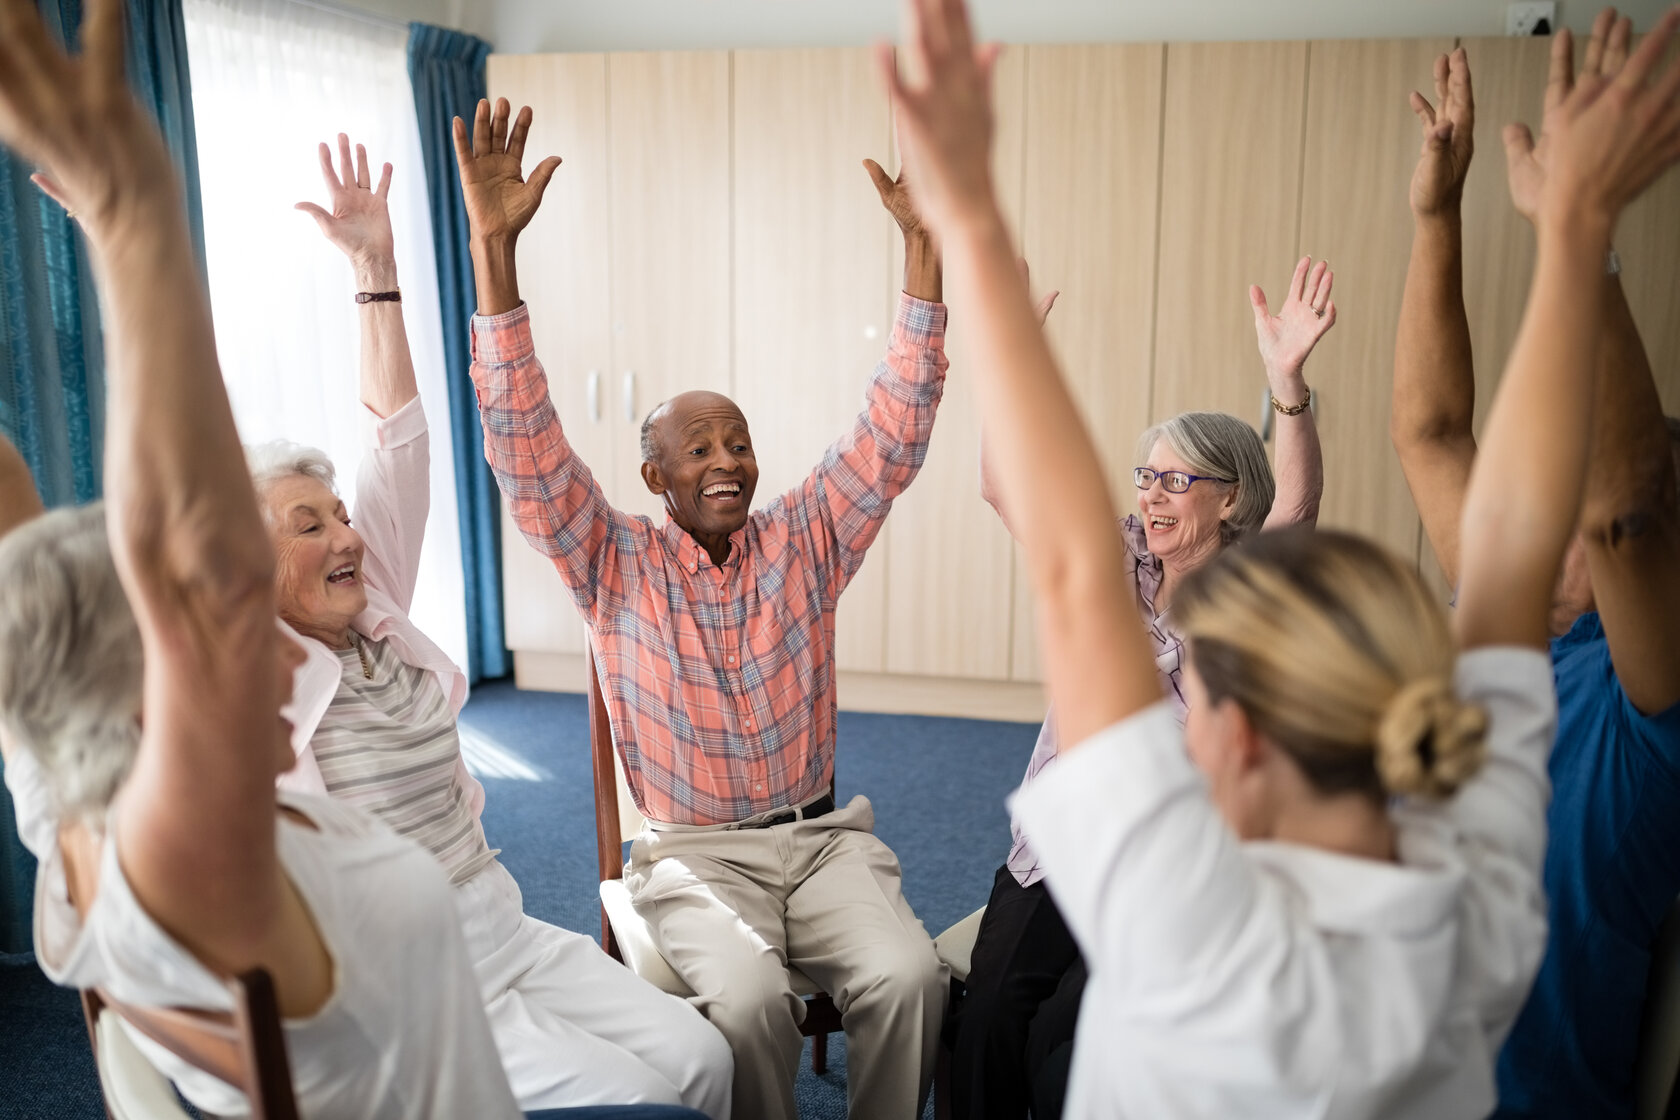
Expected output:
{"points": [[719, 680]]}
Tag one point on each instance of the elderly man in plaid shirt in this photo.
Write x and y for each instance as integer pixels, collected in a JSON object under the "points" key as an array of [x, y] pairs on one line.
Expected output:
{"points": [[714, 636]]}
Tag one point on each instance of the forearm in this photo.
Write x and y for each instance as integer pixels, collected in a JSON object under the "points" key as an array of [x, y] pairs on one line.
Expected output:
{"points": [[1525, 492], [18, 499], [387, 365], [1434, 376], [183, 512], [495, 274], [1099, 666], [923, 275], [1300, 458]]}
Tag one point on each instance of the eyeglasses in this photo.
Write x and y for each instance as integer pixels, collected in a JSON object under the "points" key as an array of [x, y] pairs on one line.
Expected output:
{"points": [[1173, 482]]}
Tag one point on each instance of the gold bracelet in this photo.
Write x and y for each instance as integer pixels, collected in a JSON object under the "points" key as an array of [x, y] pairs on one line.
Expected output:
{"points": [[1292, 409]]}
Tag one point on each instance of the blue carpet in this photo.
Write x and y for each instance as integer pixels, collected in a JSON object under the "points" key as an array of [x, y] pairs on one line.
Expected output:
{"points": [[937, 785]]}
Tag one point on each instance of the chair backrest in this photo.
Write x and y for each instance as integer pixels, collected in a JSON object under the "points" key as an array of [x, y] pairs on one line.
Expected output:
{"points": [[1658, 1068], [616, 817], [246, 1048]]}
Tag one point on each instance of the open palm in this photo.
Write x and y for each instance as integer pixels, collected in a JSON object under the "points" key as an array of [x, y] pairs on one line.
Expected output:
{"points": [[358, 219], [1289, 336], [1449, 128], [500, 201]]}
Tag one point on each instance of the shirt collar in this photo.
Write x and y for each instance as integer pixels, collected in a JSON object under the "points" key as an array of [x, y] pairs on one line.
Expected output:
{"points": [[691, 556]]}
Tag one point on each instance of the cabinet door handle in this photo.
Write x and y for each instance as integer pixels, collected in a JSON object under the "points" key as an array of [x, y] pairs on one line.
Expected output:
{"points": [[595, 396], [629, 396]]}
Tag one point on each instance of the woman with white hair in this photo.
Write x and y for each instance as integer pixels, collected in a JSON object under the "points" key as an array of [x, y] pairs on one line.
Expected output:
{"points": [[1203, 484], [375, 719], [168, 861]]}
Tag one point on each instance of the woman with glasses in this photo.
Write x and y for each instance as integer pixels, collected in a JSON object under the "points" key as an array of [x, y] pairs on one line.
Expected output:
{"points": [[1203, 483]]}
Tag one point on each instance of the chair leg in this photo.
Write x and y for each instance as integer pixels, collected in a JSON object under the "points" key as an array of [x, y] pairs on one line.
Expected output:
{"points": [[819, 1054]]}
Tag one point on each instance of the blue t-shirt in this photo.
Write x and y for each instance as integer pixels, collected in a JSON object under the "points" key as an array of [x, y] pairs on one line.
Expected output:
{"points": [[1612, 872]]}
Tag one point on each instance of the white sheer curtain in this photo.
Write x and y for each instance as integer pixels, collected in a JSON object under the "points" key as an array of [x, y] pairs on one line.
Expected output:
{"points": [[271, 80]]}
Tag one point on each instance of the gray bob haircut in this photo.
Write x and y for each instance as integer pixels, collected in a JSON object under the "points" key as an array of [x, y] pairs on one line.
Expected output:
{"points": [[279, 458], [70, 658], [1219, 445]]}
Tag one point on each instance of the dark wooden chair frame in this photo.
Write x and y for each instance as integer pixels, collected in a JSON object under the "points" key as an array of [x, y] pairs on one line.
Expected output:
{"points": [[821, 1016], [246, 1048]]}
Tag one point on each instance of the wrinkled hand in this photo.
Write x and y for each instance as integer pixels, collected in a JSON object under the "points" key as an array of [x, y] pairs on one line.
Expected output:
{"points": [[896, 197], [359, 222], [74, 118], [500, 201], [1448, 137], [1306, 315], [943, 109], [1613, 128]]}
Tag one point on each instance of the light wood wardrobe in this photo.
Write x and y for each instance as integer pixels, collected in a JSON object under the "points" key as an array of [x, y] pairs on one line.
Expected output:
{"points": [[712, 227]]}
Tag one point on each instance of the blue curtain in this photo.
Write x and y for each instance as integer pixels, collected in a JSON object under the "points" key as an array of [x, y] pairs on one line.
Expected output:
{"points": [[447, 69], [52, 384]]}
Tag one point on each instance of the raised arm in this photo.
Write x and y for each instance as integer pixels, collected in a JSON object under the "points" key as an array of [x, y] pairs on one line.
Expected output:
{"points": [[1610, 136], [195, 833], [358, 223], [393, 484], [1286, 340], [1434, 396], [1629, 519], [500, 201], [1098, 663]]}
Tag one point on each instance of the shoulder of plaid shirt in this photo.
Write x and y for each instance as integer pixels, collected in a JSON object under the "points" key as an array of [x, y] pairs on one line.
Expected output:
{"points": [[726, 711]]}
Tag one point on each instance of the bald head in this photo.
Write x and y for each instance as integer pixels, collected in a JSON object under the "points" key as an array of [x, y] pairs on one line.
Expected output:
{"points": [[677, 414]]}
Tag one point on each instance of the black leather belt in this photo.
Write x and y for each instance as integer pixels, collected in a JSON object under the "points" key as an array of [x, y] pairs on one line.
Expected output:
{"points": [[818, 808]]}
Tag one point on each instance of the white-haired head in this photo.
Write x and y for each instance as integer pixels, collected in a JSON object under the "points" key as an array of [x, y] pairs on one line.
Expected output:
{"points": [[70, 658], [281, 458]]}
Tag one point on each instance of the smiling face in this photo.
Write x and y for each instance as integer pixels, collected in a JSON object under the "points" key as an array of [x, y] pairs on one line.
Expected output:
{"points": [[703, 465], [1183, 529], [318, 581]]}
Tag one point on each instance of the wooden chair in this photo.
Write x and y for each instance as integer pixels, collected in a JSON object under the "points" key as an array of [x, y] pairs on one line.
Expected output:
{"points": [[246, 1049]]}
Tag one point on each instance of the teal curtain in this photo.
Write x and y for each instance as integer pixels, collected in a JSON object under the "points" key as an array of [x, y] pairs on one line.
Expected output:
{"points": [[447, 69], [52, 384]]}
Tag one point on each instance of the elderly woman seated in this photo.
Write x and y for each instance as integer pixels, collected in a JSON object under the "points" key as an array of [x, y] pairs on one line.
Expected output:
{"points": [[376, 712], [1203, 484]]}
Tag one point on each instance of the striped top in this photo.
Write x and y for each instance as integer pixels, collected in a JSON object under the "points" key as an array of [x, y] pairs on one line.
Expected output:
{"points": [[388, 745], [719, 679], [1144, 569]]}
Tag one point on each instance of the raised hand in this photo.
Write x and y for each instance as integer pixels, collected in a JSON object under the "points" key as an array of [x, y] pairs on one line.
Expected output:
{"points": [[359, 221], [1306, 315], [896, 197], [1449, 128], [943, 109], [1614, 129], [500, 200], [1527, 157], [74, 118]]}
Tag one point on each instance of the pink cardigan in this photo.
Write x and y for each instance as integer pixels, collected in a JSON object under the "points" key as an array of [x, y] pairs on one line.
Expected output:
{"points": [[393, 495]]}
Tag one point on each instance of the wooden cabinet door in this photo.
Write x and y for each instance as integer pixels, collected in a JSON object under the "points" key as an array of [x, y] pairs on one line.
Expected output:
{"points": [[668, 219], [813, 296], [563, 278], [1090, 210], [949, 563], [1230, 210], [1362, 143]]}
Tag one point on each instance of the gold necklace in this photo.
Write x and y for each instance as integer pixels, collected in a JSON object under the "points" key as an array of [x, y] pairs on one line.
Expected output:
{"points": [[361, 651]]}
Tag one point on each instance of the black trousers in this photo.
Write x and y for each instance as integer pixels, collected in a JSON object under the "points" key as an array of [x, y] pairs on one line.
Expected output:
{"points": [[1013, 1035]]}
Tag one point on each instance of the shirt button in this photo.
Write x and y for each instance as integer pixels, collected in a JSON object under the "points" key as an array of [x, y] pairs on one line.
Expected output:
{"points": [[732, 659], [758, 788]]}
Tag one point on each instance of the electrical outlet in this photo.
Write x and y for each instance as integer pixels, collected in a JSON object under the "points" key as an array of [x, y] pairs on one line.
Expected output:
{"points": [[1526, 18]]}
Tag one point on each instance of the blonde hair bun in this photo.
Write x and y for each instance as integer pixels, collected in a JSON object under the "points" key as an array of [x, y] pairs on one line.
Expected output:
{"points": [[1429, 742]]}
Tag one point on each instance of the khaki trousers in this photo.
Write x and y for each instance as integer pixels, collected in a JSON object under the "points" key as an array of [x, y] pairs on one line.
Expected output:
{"points": [[732, 909]]}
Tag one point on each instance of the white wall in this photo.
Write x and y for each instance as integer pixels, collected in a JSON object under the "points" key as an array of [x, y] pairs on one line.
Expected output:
{"points": [[529, 26], [462, 15]]}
